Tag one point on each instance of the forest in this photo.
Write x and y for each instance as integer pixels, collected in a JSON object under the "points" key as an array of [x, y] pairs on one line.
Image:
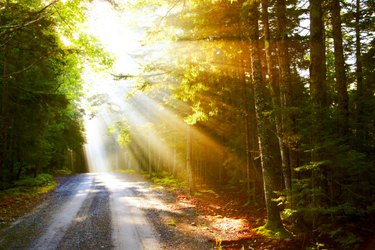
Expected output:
{"points": [[273, 98]]}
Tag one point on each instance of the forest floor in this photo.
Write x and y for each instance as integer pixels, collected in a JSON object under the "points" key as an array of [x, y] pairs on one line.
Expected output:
{"points": [[209, 219], [15, 205], [222, 218]]}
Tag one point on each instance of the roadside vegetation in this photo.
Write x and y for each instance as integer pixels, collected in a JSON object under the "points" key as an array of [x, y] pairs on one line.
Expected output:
{"points": [[23, 196]]}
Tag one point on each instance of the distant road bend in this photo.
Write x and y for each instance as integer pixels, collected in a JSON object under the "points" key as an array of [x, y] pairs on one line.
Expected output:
{"points": [[89, 211]]}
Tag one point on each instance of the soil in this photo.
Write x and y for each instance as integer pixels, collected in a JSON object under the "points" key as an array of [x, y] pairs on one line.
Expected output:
{"points": [[11, 208], [218, 218]]}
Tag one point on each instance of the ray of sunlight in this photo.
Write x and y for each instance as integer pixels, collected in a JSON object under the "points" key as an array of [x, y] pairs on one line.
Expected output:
{"points": [[111, 117]]}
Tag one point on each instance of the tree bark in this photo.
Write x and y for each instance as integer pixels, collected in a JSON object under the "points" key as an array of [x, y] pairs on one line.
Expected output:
{"points": [[189, 168], [359, 74], [317, 54], [5, 125], [250, 166], [318, 91], [288, 126], [273, 80], [271, 167], [341, 83]]}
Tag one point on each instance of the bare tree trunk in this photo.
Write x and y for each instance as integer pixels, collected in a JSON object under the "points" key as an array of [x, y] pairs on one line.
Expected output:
{"points": [[271, 167], [359, 74], [318, 86], [272, 80], [254, 145], [150, 156], [341, 85], [174, 155], [250, 167], [318, 91], [189, 157], [5, 119], [5, 116], [288, 130]]}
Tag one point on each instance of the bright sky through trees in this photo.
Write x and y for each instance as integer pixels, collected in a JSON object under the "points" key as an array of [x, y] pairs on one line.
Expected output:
{"points": [[106, 101], [107, 107], [109, 26], [112, 28]]}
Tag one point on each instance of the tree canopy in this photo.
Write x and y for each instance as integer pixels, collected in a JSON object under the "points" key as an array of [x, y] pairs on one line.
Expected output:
{"points": [[43, 52]]}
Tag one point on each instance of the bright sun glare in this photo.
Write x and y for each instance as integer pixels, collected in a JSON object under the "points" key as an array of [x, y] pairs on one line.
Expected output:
{"points": [[112, 28], [122, 33]]}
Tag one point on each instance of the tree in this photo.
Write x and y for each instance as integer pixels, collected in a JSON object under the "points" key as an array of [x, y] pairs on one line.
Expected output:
{"points": [[40, 84], [236, 86], [317, 54], [341, 83], [270, 166]]}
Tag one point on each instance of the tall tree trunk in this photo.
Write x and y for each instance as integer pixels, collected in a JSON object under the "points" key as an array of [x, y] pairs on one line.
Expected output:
{"points": [[318, 96], [5, 116], [317, 54], [275, 83], [5, 119], [318, 87], [189, 168], [271, 167], [250, 166], [341, 85], [174, 167], [149, 162], [359, 74], [254, 144], [289, 143]]}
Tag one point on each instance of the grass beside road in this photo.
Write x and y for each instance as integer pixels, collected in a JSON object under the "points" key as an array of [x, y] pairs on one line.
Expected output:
{"points": [[23, 197]]}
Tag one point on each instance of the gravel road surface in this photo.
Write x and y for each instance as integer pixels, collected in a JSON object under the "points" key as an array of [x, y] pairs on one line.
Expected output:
{"points": [[88, 211]]}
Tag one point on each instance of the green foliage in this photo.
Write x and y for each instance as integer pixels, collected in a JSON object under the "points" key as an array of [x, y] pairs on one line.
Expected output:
{"points": [[122, 131], [327, 194], [62, 172], [39, 181], [318, 246], [272, 232], [127, 171], [209, 191], [165, 181], [29, 188], [46, 52]]}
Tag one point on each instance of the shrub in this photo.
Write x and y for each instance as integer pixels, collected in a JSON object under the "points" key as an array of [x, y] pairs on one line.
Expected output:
{"points": [[39, 181]]}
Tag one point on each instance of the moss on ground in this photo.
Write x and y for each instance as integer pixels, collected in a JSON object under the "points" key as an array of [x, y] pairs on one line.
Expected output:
{"points": [[273, 231]]}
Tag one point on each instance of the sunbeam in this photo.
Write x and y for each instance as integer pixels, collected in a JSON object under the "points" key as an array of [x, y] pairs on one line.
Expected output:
{"points": [[137, 130]]}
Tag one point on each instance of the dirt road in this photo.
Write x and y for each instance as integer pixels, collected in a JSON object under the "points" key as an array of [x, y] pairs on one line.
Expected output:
{"points": [[89, 211]]}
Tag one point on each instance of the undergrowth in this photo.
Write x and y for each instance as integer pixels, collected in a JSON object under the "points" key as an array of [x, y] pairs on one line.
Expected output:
{"points": [[30, 187], [127, 171], [63, 172], [273, 232], [166, 180]]}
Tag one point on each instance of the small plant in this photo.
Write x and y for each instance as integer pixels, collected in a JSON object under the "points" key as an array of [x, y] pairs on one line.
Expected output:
{"points": [[172, 223], [218, 242], [62, 172], [319, 246], [273, 232], [127, 171]]}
